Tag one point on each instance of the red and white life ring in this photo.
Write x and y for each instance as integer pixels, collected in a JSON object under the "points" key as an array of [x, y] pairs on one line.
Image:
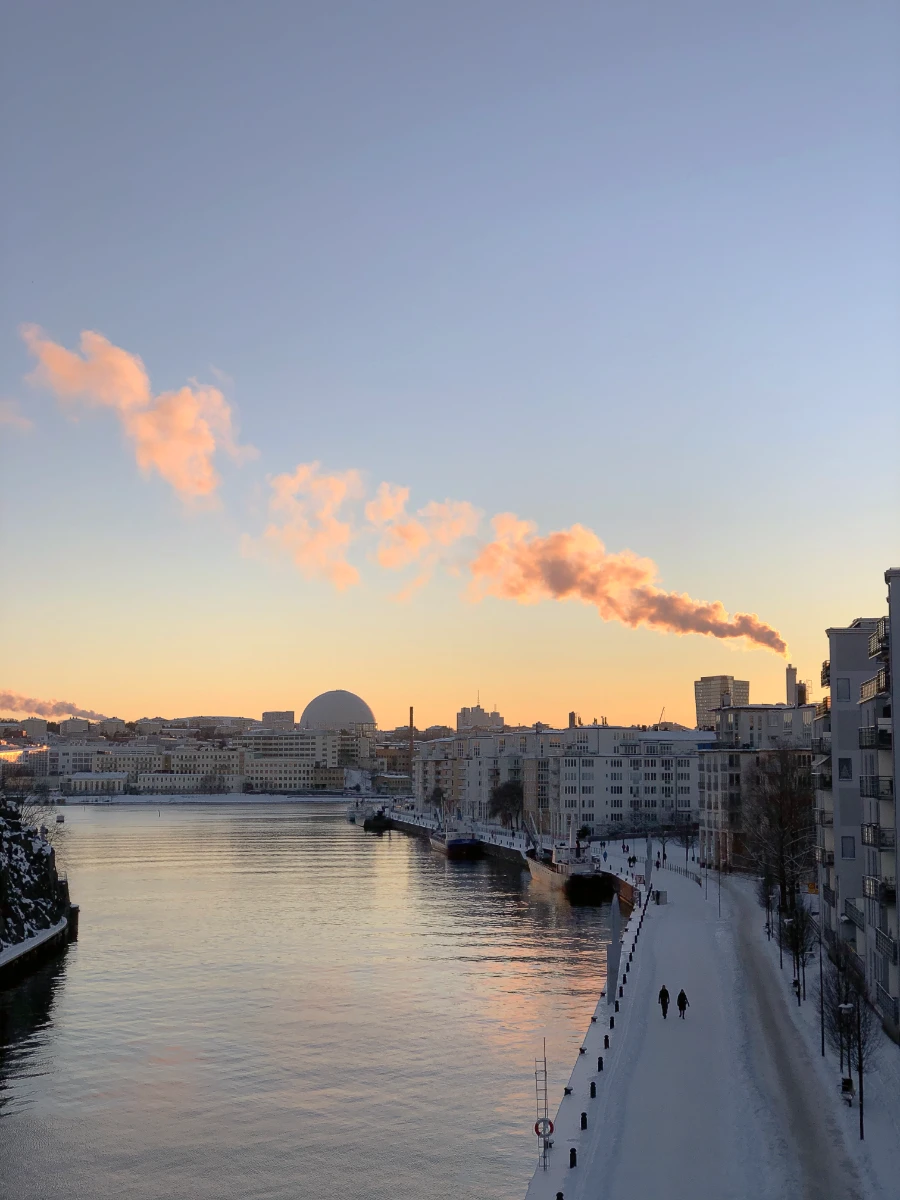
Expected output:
{"points": [[543, 1127]]}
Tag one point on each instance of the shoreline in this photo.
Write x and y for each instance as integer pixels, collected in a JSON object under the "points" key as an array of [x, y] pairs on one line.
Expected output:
{"points": [[221, 798]]}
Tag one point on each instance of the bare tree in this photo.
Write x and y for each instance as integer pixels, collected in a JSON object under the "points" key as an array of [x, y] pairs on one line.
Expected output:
{"points": [[779, 820], [851, 1027], [686, 835], [800, 937]]}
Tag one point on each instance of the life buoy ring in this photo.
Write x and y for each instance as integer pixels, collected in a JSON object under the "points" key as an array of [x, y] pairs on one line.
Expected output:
{"points": [[543, 1127]]}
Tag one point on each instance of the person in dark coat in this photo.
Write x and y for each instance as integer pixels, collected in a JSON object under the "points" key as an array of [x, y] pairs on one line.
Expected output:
{"points": [[663, 1000], [682, 1003]]}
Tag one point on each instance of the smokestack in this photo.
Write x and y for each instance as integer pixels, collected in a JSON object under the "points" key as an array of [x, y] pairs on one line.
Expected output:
{"points": [[791, 674], [412, 733], [571, 720]]}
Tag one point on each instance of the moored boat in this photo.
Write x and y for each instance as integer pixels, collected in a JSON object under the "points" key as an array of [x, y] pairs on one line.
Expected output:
{"points": [[571, 871], [376, 820], [456, 844]]}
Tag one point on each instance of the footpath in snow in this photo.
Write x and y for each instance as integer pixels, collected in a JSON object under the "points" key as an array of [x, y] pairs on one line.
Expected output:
{"points": [[730, 1103]]}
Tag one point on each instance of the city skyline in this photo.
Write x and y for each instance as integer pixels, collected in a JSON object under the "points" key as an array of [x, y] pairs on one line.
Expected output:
{"points": [[530, 409]]}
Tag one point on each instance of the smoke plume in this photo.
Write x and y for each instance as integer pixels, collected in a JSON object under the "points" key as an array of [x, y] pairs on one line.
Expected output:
{"points": [[174, 433], [13, 417], [14, 703], [573, 564]]}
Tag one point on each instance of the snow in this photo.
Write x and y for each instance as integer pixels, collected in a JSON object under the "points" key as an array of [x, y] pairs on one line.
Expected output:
{"points": [[206, 798], [730, 1102], [11, 953]]}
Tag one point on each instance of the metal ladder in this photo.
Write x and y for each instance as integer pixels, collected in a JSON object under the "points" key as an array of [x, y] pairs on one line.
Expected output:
{"points": [[541, 1109]]}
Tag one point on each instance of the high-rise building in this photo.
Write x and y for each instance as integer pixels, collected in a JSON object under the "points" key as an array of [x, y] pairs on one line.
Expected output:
{"points": [[712, 691], [476, 718]]}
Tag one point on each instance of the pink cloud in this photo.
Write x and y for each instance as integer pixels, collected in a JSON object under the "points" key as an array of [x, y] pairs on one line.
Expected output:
{"points": [[177, 434], [573, 564], [307, 524]]}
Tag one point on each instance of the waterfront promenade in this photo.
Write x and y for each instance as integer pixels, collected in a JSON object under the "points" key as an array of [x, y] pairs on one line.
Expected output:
{"points": [[722, 1104]]}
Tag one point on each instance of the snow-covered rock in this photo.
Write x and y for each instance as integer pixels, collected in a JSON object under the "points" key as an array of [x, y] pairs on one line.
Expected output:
{"points": [[32, 896]]}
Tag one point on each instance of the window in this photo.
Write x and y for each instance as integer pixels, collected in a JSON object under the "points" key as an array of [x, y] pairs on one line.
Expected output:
{"points": [[842, 689], [845, 768], [588, 791], [848, 847], [587, 762]]}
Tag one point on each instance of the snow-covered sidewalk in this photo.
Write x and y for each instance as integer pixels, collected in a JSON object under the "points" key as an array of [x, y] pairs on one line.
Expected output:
{"points": [[727, 1103]]}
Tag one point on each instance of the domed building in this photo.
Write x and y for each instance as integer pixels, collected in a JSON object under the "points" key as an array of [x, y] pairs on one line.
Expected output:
{"points": [[338, 710]]}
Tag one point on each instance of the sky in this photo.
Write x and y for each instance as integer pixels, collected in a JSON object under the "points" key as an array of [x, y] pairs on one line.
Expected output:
{"points": [[542, 352]]}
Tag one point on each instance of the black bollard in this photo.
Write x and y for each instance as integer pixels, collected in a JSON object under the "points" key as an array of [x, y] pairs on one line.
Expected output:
{"points": [[617, 1006], [581, 1050], [621, 990], [599, 1062], [573, 1157], [593, 1020], [594, 1086], [567, 1091], [584, 1120], [560, 1196], [606, 1041], [612, 1022]]}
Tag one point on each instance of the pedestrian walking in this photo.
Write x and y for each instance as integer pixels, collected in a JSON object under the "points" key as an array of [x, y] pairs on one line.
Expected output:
{"points": [[663, 1000], [682, 1003]]}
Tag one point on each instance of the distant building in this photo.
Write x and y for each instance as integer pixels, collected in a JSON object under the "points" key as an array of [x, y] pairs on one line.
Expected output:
{"points": [[111, 726], [712, 691], [278, 720], [476, 718], [338, 710], [74, 725], [35, 728]]}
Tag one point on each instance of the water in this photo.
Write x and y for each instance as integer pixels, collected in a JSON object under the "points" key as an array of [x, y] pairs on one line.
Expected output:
{"points": [[267, 1002]]}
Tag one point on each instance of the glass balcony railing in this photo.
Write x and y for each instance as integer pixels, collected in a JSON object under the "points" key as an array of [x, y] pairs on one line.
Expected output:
{"points": [[821, 780], [826, 673], [856, 915]]}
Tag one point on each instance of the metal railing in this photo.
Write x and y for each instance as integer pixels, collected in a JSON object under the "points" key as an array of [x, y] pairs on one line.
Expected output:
{"points": [[875, 686], [886, 945], [821, 745], [824, 817], [887, 1004], [856, 915], [879, 887], [823, 708], [821, 780], [876, 787], [828, 895], [874, 737], [824, 857], [825, 677], [879, 641]]}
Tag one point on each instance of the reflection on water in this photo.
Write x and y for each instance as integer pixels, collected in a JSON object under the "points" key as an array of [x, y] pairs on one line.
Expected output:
{"points": [[267, 1002]]}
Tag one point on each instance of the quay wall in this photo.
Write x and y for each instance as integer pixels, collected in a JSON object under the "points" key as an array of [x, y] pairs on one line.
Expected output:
{"points": [[22, 958]]}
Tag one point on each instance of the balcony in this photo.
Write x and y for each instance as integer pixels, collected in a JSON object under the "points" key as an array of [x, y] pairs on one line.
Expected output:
{"points": [[828, 895], [877, 888], [823, 708], [825, 817], [821, 745], [887, 1004], [876, 787], [879, 837], [825, 677], [856, 915], [879, 641], [821, 780], [874, 737], [825, 858], [876, 686], [886, 945]]}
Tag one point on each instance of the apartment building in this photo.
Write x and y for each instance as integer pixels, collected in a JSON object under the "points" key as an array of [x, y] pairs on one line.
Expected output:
{"points": [[598, 776], [856, 801], [837, 772], [745, 732], [712, 691]]}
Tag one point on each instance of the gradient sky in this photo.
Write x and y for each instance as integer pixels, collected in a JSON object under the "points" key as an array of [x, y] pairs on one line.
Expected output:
{"points": [[635, 267]]}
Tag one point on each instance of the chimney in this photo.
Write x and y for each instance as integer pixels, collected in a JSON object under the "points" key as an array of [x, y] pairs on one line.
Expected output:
{"points": [[791, 674], [571, 720]]}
